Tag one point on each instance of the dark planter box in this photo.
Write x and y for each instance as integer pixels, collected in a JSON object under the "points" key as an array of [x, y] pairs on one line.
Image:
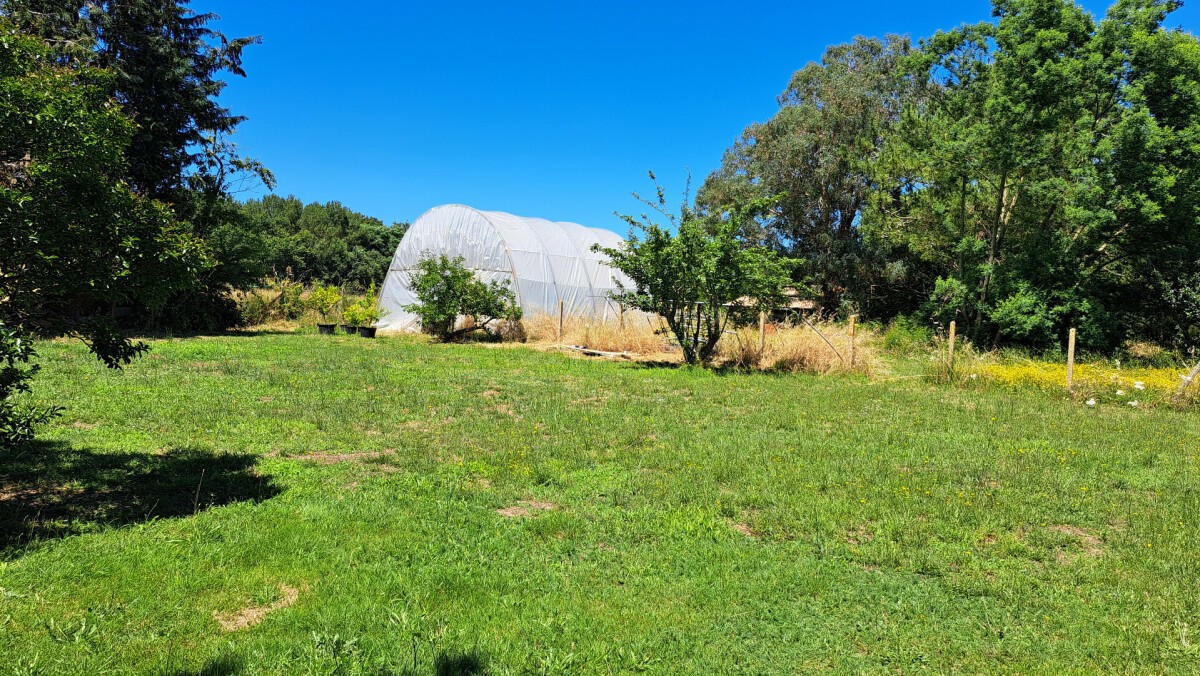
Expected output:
{"points": [[366, 331], [326, 329], [350, 329]]}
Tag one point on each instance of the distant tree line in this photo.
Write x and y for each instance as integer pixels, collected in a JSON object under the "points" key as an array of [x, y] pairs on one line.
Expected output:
{"points": [[1019, 176], [316, 242]]}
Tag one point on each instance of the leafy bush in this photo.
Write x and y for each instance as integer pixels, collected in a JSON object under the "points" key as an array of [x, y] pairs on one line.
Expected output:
{"points": [[253, 309], [325, 299], [905, 335], [700, 278], [446, 290], [1024, 317], [365, 311], [291, 298], [18, 420]]}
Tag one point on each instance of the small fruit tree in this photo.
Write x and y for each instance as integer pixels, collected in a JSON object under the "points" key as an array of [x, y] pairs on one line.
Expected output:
{"points": [[365, 311], [700, 277], [325, 299], [446, 290]]}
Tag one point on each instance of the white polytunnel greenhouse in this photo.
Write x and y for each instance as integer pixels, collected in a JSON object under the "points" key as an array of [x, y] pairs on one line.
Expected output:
{"points": [[543, 261]]}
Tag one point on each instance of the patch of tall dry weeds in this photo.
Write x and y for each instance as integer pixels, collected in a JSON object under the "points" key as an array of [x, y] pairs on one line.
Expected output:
{"points": [[821, 349], [639, 336]]}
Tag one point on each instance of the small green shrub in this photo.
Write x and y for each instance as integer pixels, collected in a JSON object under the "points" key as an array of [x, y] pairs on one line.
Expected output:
{"points": [[905, 335], [446, 290], [325, 299], [291, 298], [18, 419], [253, 309], [365, 311]]}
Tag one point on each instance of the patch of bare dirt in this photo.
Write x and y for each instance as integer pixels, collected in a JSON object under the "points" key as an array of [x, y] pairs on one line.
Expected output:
{"points": [[598, 399], [859, 535], [80, 425], [1090, 544], [745, 529], [248, 617], [334, 458], [488, 394], [503, 409], [523, 507]]}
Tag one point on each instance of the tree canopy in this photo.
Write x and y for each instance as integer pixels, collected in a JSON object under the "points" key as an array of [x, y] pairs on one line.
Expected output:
{"points": [[316, 242], [697, 272], [1021, 176]]}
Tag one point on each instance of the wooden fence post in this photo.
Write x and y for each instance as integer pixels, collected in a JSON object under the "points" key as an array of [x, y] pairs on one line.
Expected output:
{"points": [[853, 321], [621, 316], [1071, 359], [560, 320], [953, 331], [1187, 380], [762, 331]]}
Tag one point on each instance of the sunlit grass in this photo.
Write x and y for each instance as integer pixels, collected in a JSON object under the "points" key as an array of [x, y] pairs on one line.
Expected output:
{"points": [[396, 506]]}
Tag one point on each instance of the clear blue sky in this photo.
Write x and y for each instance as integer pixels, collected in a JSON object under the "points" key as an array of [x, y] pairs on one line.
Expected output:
{"points": [[553, 109]]}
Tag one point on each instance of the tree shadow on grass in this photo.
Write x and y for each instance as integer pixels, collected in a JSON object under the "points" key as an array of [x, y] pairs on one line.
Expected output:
{"points": [[51, 489], [460, 664]]}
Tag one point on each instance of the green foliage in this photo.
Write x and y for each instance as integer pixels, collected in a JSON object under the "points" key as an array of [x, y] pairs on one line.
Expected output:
{"points": [[319, 242], [446, 291], [1023, 316], [19, 420], [700, 277], [162, 65], [1044, 161], [165, 63], [253, 309], [1050, 174], [290, 298], [77, 240], [948, 302], [907, 336], [325, 299], [365, 311], [819, 154]]}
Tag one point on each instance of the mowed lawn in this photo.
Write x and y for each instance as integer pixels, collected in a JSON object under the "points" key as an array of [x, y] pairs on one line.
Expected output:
{"points": [[306, 504]]}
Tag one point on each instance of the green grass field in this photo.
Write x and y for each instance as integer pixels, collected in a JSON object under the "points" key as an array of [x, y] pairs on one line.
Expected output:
{"points": [[304, 504]]}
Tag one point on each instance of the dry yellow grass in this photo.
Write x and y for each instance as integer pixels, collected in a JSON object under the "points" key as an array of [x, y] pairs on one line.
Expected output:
{"points": [[640, 335], [788, 348], [801, 349]]}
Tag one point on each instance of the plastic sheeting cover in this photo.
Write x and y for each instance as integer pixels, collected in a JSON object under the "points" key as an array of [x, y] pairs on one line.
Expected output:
{"points": [[542, 261]]}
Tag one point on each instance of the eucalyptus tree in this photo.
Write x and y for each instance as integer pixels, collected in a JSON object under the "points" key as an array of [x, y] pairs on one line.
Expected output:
{"points": [[819, 153]]}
